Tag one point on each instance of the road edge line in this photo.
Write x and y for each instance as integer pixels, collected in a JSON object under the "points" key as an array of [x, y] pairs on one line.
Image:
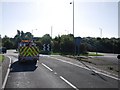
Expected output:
{"points": [[113, 77], [6, 77]]}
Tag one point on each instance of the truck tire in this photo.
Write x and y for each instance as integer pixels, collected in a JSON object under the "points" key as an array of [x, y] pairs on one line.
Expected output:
{"points": [[19, 60], [35, 61]]}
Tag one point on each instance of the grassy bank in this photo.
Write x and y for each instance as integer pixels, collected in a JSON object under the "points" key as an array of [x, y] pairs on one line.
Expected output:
{"points": [[1, 58], [92, 54]]}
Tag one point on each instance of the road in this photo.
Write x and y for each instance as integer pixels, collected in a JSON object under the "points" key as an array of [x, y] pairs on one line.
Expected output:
{"points": [[55, 72], [110, 58]]}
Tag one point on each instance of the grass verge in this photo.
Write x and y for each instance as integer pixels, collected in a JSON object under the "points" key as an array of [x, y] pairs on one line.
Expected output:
{"points": [[1, 58], [53, 53], [92, 54]]}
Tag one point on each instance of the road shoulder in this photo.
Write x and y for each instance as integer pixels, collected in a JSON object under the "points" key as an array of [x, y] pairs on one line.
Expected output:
{"points": [[103, 68], [4, 69]]}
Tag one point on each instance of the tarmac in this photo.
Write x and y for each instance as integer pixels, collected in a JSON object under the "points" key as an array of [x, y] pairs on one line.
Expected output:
{"points": [[3, 70]]}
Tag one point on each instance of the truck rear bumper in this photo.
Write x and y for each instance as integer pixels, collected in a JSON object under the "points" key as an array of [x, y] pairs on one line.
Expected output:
{"points": [[28, 58]]}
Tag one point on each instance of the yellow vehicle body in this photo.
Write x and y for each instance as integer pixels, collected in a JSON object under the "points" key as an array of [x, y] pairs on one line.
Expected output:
{"points": [[28, 51]]}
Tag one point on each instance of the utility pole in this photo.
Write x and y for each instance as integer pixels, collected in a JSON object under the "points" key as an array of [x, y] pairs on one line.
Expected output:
{"points": [[51, 31], [73, 28], [32, 33], [73, 15], [100, 32], [51, 37]]}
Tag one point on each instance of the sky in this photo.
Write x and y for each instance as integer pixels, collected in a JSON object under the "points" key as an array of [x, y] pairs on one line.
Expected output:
{"points": [[92, 18]]}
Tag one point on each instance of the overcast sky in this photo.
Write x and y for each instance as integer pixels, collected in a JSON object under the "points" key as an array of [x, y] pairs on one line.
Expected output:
{"points": [[89, 17]]}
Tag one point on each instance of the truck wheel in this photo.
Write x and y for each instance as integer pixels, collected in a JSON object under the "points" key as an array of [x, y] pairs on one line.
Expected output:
{"points": [[19, 60], [35, 61]]}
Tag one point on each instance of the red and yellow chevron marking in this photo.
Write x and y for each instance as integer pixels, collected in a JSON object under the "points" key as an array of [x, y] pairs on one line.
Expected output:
{"points": [[23, 50], [29, 51]]}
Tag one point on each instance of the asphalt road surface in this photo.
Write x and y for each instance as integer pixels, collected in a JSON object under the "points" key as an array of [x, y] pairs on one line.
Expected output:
{"points": [[53, 72], [109, 58]]}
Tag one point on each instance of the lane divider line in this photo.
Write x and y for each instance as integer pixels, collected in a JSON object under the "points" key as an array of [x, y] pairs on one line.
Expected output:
{"points": [[69, 83], [55, 73], [8, 71], [60, 77], [47, 67], [99, 72]]}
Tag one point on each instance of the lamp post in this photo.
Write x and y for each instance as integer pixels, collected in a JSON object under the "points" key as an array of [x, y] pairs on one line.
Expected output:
{"points": [[100, 32], [51, 31], [51, 38], [32, 33], [73, 15], [73, 26], [33, 29]]}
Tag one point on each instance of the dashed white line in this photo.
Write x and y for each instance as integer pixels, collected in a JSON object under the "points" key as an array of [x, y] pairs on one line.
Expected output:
{"points": [[47, 67], [69, 83], [60, 77], [55, 73]]}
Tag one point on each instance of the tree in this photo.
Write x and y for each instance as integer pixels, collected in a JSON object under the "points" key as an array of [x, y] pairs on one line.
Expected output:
{"points": [[67, 44], [46, 39], [83, 48], [56, 44], [7, 43], [28, 36]]}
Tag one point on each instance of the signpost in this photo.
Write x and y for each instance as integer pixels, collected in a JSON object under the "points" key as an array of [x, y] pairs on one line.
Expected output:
{"points": [[44, 47], [77, 45], [48, 47]]}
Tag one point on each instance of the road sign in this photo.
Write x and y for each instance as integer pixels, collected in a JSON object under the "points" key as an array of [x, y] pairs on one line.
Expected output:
{"points": [[48, 47], [77, 41], [77, 45], [44, 47]]}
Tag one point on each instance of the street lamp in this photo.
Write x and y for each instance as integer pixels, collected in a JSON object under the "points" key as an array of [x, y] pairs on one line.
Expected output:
{"points": [[73, 16], [100, 32], [73, 26], [32, 33], [51, 31], [33, 29]]}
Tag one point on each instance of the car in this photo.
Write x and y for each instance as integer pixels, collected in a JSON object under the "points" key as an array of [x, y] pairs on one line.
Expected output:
{"points": [[3, 50]]}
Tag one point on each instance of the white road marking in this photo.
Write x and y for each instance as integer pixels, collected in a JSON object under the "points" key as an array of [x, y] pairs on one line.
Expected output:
{"points": [[69, 83], [6, 77], [47, 67], [60, 77], [55, 73], [100, 72]]}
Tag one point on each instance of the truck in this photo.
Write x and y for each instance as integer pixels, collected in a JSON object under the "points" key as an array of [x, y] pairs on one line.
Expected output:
{"points": [[28, 51]]}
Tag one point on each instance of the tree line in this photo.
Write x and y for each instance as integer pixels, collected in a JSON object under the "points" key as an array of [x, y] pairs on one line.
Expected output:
{"points": [[65, 44]]}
